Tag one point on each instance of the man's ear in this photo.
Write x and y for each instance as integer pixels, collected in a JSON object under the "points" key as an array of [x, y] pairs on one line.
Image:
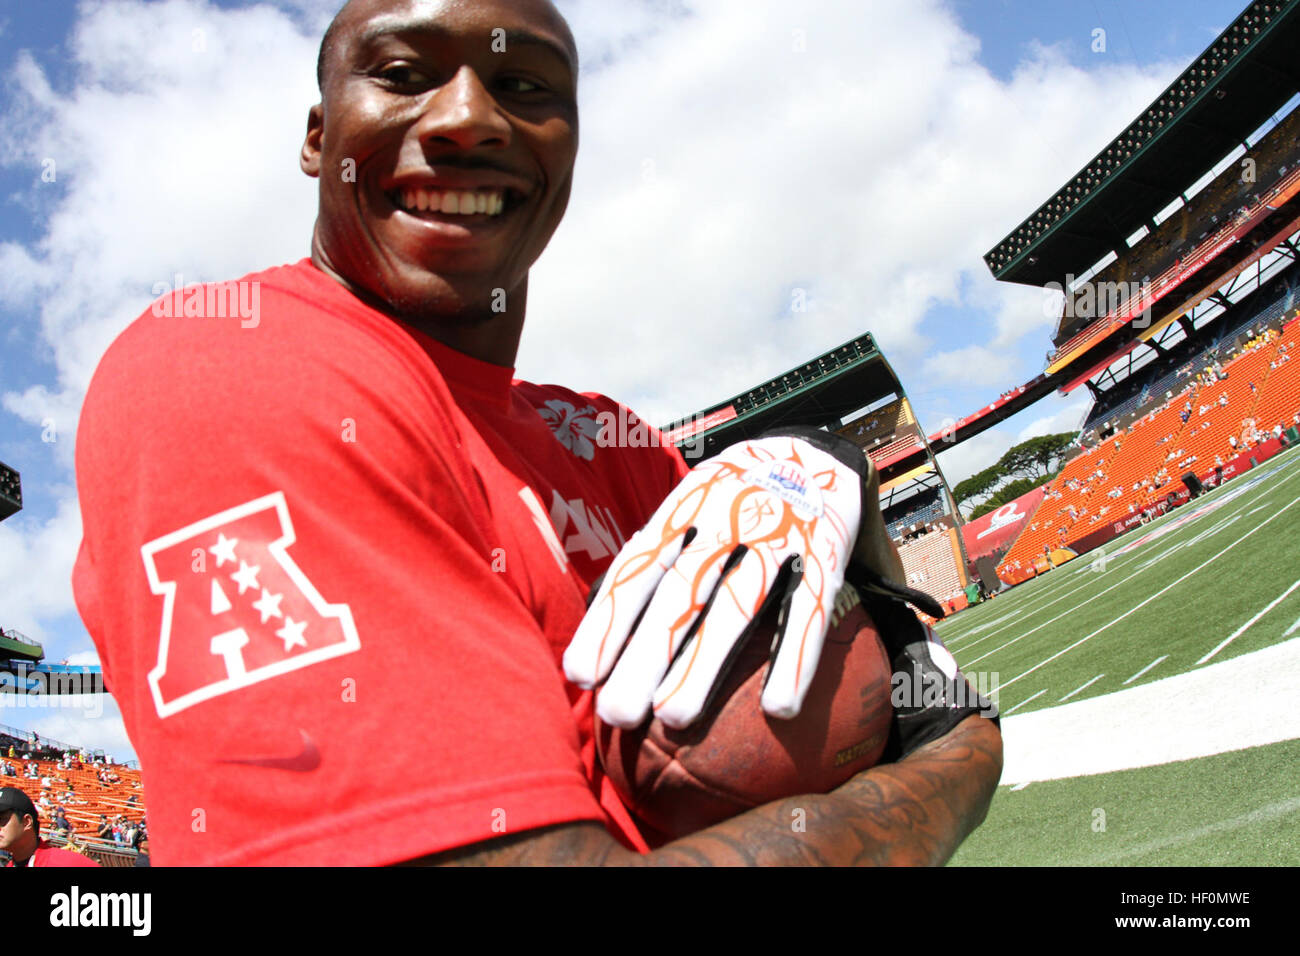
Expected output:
{"points": [[309, 159]]}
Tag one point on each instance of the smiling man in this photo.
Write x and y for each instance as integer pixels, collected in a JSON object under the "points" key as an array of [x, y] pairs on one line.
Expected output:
{"points": [[348, 522]]}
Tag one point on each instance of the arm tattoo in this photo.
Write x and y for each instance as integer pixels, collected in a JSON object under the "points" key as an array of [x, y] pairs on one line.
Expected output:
{"points": [[915, 812]]}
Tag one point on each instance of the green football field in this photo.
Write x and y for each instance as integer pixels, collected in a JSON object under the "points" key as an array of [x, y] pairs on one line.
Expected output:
{"points": [[1149, 691]]}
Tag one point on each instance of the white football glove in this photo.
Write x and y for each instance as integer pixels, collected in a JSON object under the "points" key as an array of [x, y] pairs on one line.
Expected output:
{"points": [[769, 520]]}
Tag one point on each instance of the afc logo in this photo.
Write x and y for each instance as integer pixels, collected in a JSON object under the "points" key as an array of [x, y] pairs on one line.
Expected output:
{"points": [[236, 608]]}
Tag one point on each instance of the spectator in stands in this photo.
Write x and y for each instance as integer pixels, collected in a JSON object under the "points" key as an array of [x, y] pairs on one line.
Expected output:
{"points": [[20, 834], [105, 829], [142, 851]]}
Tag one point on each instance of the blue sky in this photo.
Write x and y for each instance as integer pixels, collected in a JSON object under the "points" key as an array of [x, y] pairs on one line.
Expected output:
{"points": [[870, 170]]}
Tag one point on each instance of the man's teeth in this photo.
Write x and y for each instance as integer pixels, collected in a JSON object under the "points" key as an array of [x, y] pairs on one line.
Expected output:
{"points": [[461, 202]]}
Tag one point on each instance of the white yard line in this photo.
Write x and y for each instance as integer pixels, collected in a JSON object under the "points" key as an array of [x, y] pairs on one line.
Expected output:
{"points": [[1246, 701], [1142, 604], [1267, 814], [1245, 627], [1012, 710], [1084, 687], [1029, 608], [1162, 657]]}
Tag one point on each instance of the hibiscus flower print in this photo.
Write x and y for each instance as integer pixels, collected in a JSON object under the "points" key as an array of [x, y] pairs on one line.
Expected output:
{"points": [[575, 428]]}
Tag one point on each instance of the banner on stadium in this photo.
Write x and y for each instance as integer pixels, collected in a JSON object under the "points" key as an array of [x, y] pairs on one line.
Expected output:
{"points": [[1239, 465], [699, 424], [992, 534]]}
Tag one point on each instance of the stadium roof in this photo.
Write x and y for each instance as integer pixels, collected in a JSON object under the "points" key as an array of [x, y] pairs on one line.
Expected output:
{"points": [[1227, 93], [823, 390]]}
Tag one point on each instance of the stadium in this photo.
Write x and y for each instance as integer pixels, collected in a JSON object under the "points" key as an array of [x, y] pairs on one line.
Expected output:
{"points": [[1150, 582], [1136, 611]]}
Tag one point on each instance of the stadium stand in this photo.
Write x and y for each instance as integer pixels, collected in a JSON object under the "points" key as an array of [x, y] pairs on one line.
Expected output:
{"points": [[932, 563], [1154, 384], [876, 427], [913, 514], [88, 789], [1220, 414]]}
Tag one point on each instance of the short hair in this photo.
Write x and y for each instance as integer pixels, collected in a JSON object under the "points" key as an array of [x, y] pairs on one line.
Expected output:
{"points": [[327, 45]]}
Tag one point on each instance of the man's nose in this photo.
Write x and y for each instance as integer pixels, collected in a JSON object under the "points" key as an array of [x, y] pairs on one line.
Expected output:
{"points": [[463, 113]]}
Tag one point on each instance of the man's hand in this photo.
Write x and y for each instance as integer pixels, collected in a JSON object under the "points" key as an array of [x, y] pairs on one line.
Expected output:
{"points": [[773, 520]]}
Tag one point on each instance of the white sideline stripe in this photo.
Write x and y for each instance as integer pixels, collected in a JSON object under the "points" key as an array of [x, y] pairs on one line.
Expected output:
{"points": [[1020, 786], [1245, 627], [1138, 607], [1012, 710], [1293, 628], [1265, 814], [1246, 701], [1085, 686], [1147, 668]]}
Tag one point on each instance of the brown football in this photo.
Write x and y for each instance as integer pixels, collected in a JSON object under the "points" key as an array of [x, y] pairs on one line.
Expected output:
{"points": [[735, 757]]}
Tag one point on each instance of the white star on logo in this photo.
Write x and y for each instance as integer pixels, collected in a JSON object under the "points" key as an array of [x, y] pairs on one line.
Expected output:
{"points": [[291, 634], [224, 549], [245, 577], [268, 605]]}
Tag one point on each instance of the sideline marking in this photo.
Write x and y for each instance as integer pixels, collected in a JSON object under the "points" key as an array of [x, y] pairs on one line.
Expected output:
{"points": [[1147, 668], [1242, 630], [1235, 704], [1077, 689]]}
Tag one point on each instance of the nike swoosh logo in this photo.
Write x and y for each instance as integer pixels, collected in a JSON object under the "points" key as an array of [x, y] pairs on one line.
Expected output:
{"points": [[306, 760]]}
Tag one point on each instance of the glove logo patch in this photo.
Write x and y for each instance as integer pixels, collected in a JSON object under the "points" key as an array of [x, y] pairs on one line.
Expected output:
{"points": [[791, 484]]}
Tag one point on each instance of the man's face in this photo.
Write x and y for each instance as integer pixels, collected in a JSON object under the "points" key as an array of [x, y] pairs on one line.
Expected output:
{"points": [[468, 109], [11, 829]]}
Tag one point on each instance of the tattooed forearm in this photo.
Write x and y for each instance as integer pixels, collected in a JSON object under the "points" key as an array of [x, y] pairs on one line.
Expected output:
{"points": [[915, 812]]}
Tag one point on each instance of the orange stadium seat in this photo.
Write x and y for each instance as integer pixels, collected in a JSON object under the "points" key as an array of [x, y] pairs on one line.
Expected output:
{"points": [[1131, 471]]}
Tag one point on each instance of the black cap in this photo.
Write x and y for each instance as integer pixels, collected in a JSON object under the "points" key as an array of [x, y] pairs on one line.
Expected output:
{"points": [[11, 798]]}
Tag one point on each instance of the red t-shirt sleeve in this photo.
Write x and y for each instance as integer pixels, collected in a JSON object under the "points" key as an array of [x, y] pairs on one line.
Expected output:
{"points": [[287, 569], [49, 856]]}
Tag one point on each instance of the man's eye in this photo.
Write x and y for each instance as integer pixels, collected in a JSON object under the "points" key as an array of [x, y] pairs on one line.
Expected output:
{"points": [[520, 84], [401, 74]]}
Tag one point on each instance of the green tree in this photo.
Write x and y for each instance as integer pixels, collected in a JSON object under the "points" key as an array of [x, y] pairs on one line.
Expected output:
{"points": [[1008, 492], [1024, 467], [1036, 457], [976, 486]]}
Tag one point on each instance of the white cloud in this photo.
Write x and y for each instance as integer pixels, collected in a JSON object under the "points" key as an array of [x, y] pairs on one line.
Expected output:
{"points": [[36, 560], [721, 168], [1063, 419], [972, 365], [971, 456]]}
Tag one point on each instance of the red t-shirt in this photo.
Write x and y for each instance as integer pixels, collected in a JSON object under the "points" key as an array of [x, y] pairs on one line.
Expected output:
{"points": [[47, 855], [317, 543]]}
